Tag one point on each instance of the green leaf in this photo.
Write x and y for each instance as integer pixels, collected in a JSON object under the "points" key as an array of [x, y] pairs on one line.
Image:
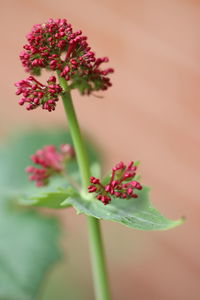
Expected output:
{"points": [[55, 194], [28, 248], [47, 199], [135, 213], [50, 196]]}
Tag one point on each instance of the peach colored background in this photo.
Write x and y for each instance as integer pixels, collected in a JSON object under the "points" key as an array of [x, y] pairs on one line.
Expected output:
{"points": [[150, 114]]}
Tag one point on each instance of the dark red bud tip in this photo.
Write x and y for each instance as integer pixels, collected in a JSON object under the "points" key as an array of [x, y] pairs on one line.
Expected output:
{"points": [[108, 188], [135, 196], [138, 186], [91, 189], [52, 79], [119, 166], [105, 200], [94, 180], [21, 102], [30, 77], [128, 175], [114, 183], [129, 191], [117, 194], [124, 196], [18, 92]]}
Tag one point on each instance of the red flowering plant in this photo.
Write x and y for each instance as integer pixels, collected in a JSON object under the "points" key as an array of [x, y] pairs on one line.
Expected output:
{"points": [[119, 196]]}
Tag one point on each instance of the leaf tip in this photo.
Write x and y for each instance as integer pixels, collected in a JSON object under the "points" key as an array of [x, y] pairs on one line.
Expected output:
{"points": [[176, 223]]}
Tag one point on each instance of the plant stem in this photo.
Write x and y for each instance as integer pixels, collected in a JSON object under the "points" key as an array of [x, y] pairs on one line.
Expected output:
{"points": [[98, 259], [94, 231]]}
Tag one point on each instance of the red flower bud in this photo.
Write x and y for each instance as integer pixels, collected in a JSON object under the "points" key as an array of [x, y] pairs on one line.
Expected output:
{"points": [[118, 186], [50, 162]]}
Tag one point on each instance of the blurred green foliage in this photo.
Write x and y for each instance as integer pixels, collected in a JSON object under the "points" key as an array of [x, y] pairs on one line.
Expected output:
{"points": [[29, 241]]}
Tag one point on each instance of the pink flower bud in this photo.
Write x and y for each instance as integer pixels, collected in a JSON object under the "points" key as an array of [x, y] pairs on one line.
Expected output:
{"points": [[120, 185], [36, 94], [50, 162]]}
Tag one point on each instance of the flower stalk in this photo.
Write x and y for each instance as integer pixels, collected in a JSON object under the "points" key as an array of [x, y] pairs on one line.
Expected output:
{"points": [[94, 231]]}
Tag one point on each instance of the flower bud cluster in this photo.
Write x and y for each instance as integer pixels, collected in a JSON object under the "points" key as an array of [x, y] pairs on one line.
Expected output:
{"points": [[120, 185], [54, 46], [36, 94], [51, 162]]}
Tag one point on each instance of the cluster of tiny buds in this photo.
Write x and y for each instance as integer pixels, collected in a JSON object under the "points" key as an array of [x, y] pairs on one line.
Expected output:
{"points": [[35, 94], [120, 185], [51, 162], [54, 46]]}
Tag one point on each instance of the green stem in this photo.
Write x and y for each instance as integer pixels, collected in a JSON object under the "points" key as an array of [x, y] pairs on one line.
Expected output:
{"points": [[98, 259], [95, 239]]}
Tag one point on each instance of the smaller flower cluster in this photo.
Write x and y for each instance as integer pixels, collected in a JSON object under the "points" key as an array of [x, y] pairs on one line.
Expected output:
{"points": [[120, 185], [35, 94], [51, 162]]}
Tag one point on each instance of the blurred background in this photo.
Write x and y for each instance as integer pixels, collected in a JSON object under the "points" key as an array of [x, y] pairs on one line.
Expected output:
{"points": [[150, 114]]}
